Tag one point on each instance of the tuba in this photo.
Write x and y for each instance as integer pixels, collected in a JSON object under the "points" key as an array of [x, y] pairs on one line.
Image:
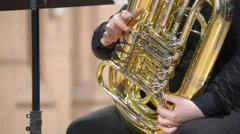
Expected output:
{"points": [[144, 63]]}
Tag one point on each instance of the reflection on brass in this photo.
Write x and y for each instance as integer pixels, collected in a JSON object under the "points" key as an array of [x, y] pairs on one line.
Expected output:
{"points": [[145, 62]]}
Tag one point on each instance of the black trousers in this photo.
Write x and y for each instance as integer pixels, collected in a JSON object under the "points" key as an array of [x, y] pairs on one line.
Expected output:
{"points": [[109, 121]]}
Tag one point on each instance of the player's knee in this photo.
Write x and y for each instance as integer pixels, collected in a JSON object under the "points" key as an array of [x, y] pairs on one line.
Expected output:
{"points": [[182, 130], [71, 128], [188, 128], [74, 127]]}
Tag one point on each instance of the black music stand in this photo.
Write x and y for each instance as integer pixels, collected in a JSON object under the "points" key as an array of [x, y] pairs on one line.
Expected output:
{"points": [[35, 115]]}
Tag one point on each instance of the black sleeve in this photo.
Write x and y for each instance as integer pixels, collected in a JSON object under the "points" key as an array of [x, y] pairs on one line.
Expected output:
{"points": [[223, 93], [100, 51]]}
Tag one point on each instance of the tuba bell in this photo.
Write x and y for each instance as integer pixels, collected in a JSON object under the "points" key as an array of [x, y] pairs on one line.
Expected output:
{"points": [[144, 63]]}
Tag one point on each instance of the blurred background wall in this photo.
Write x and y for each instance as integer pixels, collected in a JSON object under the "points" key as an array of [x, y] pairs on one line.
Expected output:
{"points": [[68, 67]]}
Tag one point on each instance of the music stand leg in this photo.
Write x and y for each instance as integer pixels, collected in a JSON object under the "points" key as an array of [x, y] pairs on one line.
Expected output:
{"points": [[35, 115]]}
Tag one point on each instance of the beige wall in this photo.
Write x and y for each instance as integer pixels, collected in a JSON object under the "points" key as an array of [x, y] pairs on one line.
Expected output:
{"points": [[68, 67]]}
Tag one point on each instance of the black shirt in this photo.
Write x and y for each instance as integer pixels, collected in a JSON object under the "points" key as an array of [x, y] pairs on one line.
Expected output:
{"points": [[222, 95]]}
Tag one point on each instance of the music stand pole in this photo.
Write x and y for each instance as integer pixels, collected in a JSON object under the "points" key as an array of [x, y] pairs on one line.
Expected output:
{"points": [[35, 115]]}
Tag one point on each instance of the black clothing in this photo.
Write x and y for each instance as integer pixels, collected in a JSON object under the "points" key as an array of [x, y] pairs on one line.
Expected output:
{"points": [[229, 125], [105, 121], [109, 121]]}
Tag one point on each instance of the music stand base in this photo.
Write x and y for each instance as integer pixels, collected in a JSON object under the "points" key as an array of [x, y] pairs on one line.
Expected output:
{"points": [[35, 122]]}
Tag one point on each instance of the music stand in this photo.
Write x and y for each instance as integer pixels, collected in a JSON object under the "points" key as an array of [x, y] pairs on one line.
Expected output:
{"points": [[35, 115], [26, 4]]}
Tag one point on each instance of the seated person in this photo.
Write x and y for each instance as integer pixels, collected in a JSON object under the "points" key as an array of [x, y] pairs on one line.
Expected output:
{"points": [[216, 111]]}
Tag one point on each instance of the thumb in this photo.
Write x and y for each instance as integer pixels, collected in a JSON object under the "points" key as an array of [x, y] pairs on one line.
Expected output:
{"points": [[172, 99]]}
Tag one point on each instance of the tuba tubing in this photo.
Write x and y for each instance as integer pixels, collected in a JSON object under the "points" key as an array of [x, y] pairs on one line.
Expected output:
{"points": [[149, 56]]}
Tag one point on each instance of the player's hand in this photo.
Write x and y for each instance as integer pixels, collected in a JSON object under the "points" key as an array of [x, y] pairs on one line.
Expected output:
{"points": [[119, 25], [185, 110]]}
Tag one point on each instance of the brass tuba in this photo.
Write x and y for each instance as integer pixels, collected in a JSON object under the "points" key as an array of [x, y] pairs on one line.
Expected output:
{"points": [[144, 63]]}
